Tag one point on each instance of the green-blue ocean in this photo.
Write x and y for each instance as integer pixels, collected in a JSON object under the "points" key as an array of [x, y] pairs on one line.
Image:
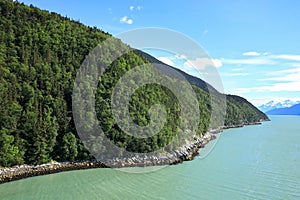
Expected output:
{"points": [[254, 162]]}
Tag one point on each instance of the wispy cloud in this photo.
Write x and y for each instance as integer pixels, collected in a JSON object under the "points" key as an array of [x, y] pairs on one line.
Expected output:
{"points": [[202, 63], [287, 80], [138, 8], [285, 83], [237, 69], [288, 75], [126, 20], [296, 64], [250, 61], [287, 57], [293, 86], [266, 58], [166, 60], [284, 72], [234, 74], [251, 53]]}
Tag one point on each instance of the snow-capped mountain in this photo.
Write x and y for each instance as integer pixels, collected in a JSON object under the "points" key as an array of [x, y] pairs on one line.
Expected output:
{"points": [[294, 110], [277, 104]]}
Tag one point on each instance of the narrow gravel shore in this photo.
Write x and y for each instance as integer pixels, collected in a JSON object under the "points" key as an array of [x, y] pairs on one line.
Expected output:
{"points": [[185, 153]]}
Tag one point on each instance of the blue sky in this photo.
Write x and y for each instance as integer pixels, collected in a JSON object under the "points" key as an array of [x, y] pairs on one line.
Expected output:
{"points": [[254, 44]]}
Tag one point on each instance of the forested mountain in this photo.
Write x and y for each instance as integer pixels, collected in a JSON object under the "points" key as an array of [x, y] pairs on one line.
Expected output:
{"points": [[40, 54], [193, 80]]}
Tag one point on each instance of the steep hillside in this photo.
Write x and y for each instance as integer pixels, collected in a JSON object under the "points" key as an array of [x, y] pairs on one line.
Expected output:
{"points": [[239, 110], [40, 54]]}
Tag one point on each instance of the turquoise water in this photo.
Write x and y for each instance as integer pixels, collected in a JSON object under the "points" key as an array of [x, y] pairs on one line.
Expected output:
{"points": [[254, 162]]}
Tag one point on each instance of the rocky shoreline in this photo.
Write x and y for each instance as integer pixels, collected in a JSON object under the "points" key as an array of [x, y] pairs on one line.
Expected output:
{"points": [[185, 153]]}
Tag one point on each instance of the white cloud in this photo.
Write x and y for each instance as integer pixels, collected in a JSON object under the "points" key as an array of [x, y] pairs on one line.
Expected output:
{"points": [[263, 59], [287, 57], [293, 86], [166, 60], [237, 69], [217, 62], [291, 76], [286, 71], [138, 8], [201, 63], [250, 61], [260, 101], [251, 53], [280, 87], [234, 74], [126, 20], [280, 81], [296, 64]]}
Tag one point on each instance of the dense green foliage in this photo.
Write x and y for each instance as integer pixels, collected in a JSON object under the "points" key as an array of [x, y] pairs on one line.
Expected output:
{"points": [[239, 111], [40, 53]]}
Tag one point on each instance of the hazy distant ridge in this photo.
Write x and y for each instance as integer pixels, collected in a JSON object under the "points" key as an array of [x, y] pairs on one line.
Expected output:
{"points": [[294, 110]]}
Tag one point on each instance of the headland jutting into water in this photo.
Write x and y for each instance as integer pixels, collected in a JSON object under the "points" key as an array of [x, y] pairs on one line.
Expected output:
{"points": [[186, 153]]}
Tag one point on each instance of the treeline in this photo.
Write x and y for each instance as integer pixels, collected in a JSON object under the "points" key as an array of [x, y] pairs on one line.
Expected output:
{"points": [[40, 53]]}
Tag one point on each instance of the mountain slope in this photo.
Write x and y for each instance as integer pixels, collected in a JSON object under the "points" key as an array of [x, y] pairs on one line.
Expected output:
{"points": [[293, 110], [277, 104], [40, 54], [193, 80], [238, 111]]}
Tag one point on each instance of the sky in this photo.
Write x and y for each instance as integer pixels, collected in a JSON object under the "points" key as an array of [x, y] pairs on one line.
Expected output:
{"points": [[255, 45]]}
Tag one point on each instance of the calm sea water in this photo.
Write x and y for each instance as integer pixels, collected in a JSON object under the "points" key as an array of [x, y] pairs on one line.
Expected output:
{"points": [[254, 162]]}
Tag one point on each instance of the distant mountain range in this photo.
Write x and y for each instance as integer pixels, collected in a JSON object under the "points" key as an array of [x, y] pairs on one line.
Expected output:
{"points": [[277, 104], [293, 110]]}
